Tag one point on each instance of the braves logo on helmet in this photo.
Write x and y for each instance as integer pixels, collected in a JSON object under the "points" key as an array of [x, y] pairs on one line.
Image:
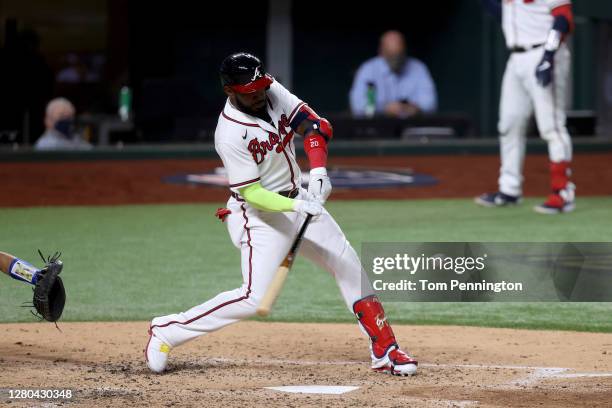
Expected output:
{"points": [[256, 74]]}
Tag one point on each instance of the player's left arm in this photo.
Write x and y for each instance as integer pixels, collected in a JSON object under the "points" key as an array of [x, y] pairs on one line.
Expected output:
{"points": [[563, 25], [424, 96], [317, 133]]}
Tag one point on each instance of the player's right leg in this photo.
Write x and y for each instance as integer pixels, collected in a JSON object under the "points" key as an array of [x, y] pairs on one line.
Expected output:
{"points": [[18, 269], [263, 245], [326, 245], [515, 110]]}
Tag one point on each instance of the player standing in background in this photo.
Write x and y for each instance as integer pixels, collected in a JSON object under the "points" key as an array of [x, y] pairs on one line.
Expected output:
{"points": [[254, 138], [535, 80]]}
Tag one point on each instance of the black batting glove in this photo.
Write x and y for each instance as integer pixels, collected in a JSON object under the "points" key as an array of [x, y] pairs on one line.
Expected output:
{"points": [[544, 70]]}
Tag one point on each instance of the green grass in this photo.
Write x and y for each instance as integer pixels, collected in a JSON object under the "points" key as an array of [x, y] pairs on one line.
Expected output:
{"points": [[135, 262]]}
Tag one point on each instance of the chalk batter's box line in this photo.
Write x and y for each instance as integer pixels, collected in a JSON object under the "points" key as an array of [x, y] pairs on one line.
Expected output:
{"points": [[548, 372]]}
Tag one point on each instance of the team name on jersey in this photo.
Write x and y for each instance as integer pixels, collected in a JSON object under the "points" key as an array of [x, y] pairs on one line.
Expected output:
{"points": [[260, 148]]}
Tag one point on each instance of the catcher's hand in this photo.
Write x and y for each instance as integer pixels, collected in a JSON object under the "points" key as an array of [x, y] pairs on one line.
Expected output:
{"points": [[49, 293]]}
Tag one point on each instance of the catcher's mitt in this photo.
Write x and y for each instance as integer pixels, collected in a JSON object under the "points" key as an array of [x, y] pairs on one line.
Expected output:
{"points": [[49, 294]]}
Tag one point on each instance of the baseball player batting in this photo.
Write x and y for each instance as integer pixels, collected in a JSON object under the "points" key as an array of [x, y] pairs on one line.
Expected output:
{"points": [[267, 206], [535, 81]]}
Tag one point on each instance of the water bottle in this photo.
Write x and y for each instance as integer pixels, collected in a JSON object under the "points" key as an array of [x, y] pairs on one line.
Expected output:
{"points": [[370, 108], [125, 103]]}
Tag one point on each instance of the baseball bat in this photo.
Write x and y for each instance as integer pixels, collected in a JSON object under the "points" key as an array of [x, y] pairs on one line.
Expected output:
{"points": [[280, 276]]}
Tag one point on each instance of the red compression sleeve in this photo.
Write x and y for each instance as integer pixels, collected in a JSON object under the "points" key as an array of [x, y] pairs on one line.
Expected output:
{"points": [[316, 150]]}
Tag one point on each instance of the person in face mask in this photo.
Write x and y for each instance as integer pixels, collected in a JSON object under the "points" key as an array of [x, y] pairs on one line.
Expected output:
{"points": [[393, 84], [60, 132]]}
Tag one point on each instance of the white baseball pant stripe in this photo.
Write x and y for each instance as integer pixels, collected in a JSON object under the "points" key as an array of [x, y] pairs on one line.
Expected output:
{"points": [[521, 96], [264, 238]]}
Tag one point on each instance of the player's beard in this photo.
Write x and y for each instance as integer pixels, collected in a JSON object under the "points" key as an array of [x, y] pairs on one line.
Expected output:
{"points": [[247, 109], [260, 113]]}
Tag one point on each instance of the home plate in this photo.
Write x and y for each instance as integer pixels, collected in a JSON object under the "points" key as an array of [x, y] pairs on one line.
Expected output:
{"points": [[314, 389]]}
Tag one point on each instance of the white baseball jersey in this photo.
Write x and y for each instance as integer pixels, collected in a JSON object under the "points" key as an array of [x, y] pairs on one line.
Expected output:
{"points": [[527, 22], [254, 150]]}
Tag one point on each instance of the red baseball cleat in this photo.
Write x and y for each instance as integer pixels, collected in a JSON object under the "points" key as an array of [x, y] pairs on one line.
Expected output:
{"points": [[395, 362], [562, 201]]}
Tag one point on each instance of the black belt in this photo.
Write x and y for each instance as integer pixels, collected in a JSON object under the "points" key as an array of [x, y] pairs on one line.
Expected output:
{"points": [[523, 49], [289, 193]]}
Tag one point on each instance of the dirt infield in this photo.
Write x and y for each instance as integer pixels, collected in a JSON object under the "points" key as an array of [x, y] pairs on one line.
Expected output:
{"points": [[103, 364], [140, 181]]}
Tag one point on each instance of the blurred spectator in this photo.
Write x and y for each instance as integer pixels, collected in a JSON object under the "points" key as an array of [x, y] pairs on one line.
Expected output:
{"points": [[81, 69], [59, 121], [74, 72], [401, 85]]}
